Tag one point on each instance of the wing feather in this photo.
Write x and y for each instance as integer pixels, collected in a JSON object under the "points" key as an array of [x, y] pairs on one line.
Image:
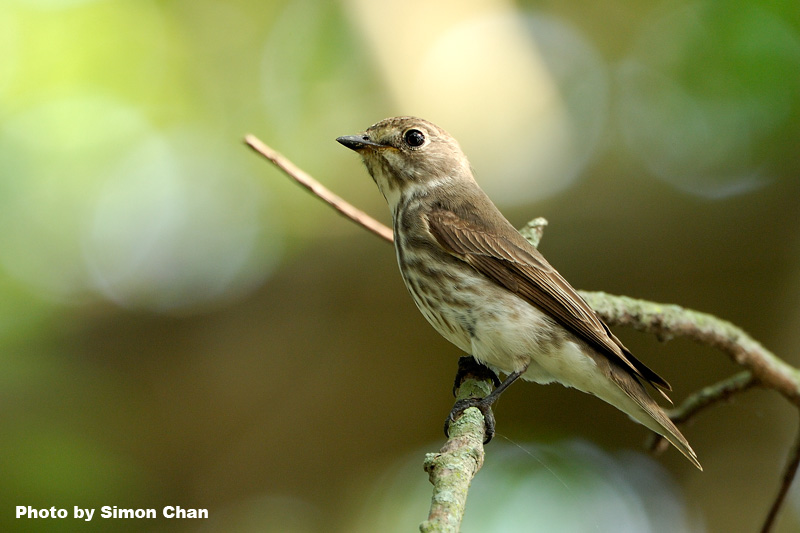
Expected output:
{"points": [[515, 264]]}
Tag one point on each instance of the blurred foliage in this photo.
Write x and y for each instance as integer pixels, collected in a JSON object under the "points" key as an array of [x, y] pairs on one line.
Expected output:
{"points": [[180, 325]]}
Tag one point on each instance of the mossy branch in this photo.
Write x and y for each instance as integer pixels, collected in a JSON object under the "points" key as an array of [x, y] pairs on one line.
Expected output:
{"points": [[452, 469], [666, 321]]}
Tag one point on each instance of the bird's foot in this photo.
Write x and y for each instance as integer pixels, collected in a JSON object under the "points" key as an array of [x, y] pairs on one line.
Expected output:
{"points": [[484, 405], [469, 367]]}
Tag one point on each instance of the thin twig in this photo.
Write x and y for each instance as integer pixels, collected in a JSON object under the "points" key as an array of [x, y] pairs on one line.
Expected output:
{"points": [[789, 472], [704, 398], [664, 321], [712, 394], [319, 190]]}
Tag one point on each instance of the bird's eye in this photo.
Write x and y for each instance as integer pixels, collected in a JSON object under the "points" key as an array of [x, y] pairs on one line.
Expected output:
{"points": [[414, 138]]}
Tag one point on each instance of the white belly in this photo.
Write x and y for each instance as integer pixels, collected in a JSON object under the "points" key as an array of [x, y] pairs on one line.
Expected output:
{"points": [[508, 334]]}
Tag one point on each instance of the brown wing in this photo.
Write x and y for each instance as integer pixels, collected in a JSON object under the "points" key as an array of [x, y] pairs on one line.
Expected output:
{"points": [[519, 267]]}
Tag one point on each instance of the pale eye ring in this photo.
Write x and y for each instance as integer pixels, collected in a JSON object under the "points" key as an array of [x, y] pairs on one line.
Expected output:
{"points": [[414, 138]]}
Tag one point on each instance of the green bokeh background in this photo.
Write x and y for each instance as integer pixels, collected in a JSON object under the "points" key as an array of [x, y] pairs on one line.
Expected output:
{"points": [[181, 325]]}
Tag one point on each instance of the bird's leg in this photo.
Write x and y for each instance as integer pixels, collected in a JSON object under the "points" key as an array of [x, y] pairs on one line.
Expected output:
{"points": [[484, 405], [468, 366]]}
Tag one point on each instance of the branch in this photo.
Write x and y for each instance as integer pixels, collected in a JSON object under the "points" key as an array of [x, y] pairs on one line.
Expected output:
{"points": [[452, 469], [789, 472], [533, 230], [319, 190], [708, 396], [667, 321], [702, 399]]}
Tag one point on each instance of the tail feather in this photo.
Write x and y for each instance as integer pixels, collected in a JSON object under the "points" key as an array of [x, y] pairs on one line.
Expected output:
{"points": [[651, 415]]}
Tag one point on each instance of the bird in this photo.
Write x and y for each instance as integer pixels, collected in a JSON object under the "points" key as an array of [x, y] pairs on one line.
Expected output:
{"points": [[486, 289]]}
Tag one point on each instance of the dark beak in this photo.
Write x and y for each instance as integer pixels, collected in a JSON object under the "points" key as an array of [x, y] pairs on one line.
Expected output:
{"points": [[356, 142]]}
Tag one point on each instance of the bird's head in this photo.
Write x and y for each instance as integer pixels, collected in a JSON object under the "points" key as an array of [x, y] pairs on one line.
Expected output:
{"points": [[407, 156]]}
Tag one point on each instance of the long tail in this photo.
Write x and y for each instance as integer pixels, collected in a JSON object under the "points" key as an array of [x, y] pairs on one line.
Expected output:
{"points": [[647, 412]]}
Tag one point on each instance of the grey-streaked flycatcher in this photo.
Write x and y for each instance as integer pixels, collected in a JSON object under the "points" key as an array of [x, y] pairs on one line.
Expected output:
{"points": [[485, 288]]}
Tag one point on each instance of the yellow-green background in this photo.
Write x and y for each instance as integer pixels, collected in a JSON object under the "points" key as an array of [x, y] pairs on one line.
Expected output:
{"points": [[181, 325]]}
